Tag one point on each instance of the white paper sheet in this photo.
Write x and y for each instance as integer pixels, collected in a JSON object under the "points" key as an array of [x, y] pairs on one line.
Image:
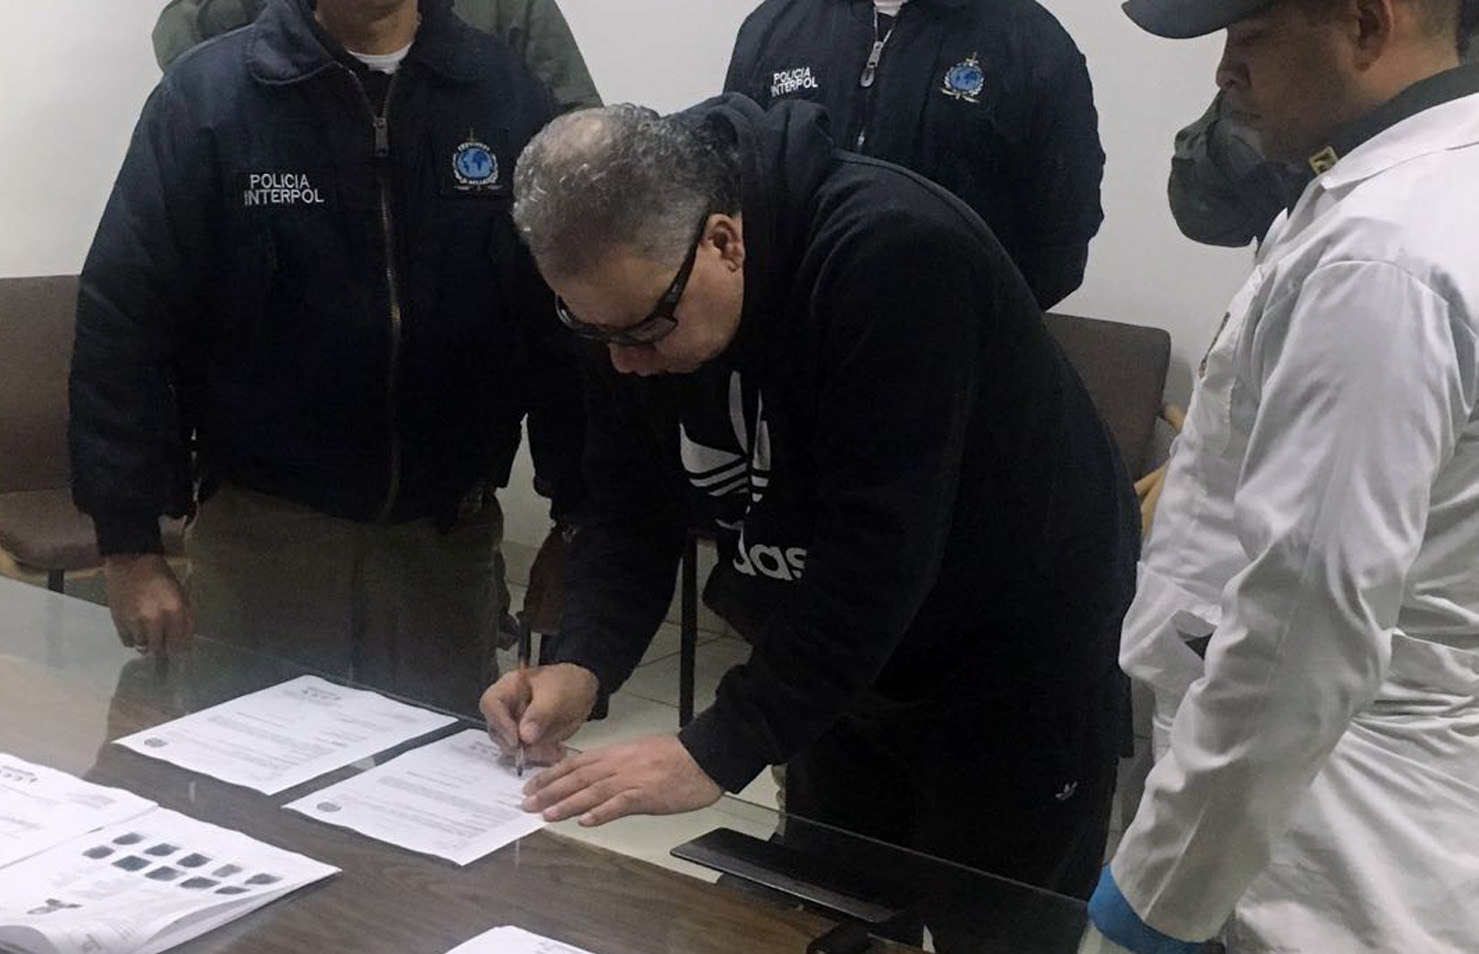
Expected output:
{"points": [[143, 886], [41, 807], [453, 798], [285, 735], [512, 940]]}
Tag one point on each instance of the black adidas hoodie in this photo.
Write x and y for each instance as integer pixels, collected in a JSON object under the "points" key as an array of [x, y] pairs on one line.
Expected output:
{"points": [[915, 498]]}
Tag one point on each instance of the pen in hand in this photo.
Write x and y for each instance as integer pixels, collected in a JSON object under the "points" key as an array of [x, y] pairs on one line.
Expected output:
{"points": [[524, 645]]}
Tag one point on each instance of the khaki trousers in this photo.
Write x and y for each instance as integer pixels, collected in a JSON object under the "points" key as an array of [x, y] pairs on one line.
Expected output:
{"points": [[403, 608]]}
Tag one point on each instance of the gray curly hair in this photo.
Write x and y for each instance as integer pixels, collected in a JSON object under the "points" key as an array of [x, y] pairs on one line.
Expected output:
{"points": [[620, 177]]}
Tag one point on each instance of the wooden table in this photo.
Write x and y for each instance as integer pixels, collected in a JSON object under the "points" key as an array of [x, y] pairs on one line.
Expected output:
{"points": [[67, 689]]}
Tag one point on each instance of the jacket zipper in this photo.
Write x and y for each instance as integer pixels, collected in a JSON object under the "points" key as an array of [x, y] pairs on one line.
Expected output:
{"points": [[392, 286], [868, 81]]}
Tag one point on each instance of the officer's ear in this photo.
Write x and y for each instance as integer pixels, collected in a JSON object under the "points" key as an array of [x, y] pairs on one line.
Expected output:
{"points": [[1371, 24], [727, 234]]}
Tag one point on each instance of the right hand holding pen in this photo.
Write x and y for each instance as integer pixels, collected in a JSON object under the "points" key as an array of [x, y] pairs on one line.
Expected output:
{"points": [[541, 707], [148, 604]]}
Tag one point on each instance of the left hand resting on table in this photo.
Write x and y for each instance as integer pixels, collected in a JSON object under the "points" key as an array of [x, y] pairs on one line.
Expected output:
{"points": [[652, 776]]}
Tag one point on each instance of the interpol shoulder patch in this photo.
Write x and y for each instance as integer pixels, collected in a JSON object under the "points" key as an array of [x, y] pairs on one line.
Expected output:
{"points": [[965, 80], [474, 166]]}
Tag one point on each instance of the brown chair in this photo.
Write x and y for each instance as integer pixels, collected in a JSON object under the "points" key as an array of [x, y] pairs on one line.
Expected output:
{"points": [[1124, 367], [39, 527]]}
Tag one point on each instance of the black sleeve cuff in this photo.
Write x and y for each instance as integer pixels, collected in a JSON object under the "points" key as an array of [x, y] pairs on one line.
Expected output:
{"points": [[722, 749], [608, 676], [566, 497], [127, 532]]}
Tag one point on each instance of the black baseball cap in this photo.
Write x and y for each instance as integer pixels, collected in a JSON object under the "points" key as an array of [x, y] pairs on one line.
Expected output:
{"points": [[1183, 19]]}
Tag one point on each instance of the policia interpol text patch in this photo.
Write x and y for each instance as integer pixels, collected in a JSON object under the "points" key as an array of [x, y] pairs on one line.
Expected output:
{"points": [[281, 188]]}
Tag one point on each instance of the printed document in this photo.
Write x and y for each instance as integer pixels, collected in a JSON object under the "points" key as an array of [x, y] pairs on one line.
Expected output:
{"points": [[453, 798], [286, 735], [512, 940], [41, 807], [142, 886]]}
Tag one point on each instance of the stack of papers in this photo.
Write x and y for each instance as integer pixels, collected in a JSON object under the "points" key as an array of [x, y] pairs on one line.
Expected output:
{"points": [[142, 886], [452, 798], [86, 869], [41, 807], [286, 735]]}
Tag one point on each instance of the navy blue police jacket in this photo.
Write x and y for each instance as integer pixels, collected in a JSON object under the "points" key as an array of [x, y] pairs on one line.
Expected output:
{"points": [[314, 282], [989, 98]]}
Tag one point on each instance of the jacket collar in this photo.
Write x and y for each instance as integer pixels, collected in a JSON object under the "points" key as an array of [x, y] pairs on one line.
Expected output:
{"points": [[1410, 124], [288, 45]]}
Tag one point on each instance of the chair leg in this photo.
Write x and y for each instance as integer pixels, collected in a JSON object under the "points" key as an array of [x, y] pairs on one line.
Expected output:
{"points": [[688, 631], [56, 581]]}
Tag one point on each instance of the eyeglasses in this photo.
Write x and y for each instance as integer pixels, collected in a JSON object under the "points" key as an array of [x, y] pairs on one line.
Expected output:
{"points": [[657, 325]]}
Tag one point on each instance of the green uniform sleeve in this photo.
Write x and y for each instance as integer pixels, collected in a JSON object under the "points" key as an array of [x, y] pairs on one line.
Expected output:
{"points": [[183, 24], [537, 31]]}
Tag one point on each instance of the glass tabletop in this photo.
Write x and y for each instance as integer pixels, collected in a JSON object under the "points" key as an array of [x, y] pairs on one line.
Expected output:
{"points": [[68, 689]]}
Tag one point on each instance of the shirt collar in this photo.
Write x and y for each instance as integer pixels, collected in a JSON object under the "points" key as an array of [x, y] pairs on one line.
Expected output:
{"points": [[1410, 124]]}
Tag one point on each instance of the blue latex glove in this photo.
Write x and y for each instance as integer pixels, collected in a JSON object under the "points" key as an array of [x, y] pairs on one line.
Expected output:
{"points": [[1116, 920]]}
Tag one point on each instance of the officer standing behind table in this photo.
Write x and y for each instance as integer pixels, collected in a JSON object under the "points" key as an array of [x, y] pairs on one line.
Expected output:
{"points": [[1317, 788], [925, 531], [537, 31], [989, 98], [307, 267]]}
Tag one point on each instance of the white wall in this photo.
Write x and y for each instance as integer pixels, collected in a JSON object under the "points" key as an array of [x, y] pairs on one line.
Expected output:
{"points": [[1141, 269], [74, 73], [73, 77]]}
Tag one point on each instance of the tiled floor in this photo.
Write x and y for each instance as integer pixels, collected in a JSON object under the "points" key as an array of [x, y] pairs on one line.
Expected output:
{"points": [[658, 681]]}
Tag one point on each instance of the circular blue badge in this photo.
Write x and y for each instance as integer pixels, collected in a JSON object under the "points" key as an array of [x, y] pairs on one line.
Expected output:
{"points": [[474, 164], [966, 78]]}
